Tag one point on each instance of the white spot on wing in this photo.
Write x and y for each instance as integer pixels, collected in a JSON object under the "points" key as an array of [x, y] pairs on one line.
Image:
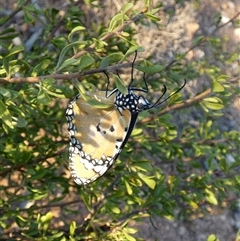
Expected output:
{"points": [[100, 169]]}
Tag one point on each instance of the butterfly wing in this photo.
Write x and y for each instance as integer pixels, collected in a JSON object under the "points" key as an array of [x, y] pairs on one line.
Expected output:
{"points": [[97, 136]]}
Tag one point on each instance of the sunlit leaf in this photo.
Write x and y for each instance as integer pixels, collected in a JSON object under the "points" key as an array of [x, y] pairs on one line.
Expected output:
{"points": [[70, 46], [217, 87], [75, 30], [127, 7], [5, 115], [120, 85], [85, 61], [212, 237], [210, 196], [19, 122], [110, 59], [72, 228], [43, 97], [149, 181], [150, 69]]}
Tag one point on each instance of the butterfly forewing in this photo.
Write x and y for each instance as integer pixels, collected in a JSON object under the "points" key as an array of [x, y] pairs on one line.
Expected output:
{"points": [[97, 136]]}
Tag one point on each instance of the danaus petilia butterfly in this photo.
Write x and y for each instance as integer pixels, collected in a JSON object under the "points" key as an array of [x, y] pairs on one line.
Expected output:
{"points": [[98, 135]]}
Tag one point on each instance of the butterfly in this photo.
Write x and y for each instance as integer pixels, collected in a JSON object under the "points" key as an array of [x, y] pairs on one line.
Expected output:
{"points": [[98, 135]]}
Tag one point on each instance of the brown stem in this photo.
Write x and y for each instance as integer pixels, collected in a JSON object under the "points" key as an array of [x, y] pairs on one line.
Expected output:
{"points": [[181, 105], [76, 75]]}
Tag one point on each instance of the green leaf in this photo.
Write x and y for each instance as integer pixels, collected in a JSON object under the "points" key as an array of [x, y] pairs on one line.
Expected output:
{"points": [[8, 34], [133, 49], [198, 40], [21, 221], [4, 92], [127, 7], [45, 220], [222, 78], [56, 90], [216, 87], [99, 44], [51, 15], [85, 61], [29, 13], [44, 64], [150, 182], [130, 230], [117, 20], [152, 17], [143, 166], [13, 51], [115, 210], [91, 98], [19, 122], [38, 196], [120, 86], [79, 43], [136, 132], [5, 115], [72, 228], [3, 20], [212, 237], [215, 41], [213, 103], [67, 63], [210, 196], [74, 31], [87, 200], [128, 187], [110, 59], [23, 65], [150, 69], [128, 237], [98, 104], [43, 97]]}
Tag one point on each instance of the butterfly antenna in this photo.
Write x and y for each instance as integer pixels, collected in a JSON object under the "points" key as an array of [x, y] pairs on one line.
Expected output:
{"points": [[133, 68], [157, 103], [145, 82], [108, 82]]}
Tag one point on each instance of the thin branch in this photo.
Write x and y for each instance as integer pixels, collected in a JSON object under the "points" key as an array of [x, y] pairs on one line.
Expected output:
{"points": [[224, 24], [33, 162], [186, 103], [181, 105], [52, 205], [200, 142], [76, 75]]}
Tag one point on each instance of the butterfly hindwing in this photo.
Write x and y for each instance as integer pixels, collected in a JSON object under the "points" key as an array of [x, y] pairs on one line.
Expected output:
{"points": [[97, 136]]}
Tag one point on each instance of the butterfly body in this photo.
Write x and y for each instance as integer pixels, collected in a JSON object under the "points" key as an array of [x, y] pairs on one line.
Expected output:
{"points": [[131, 102]]}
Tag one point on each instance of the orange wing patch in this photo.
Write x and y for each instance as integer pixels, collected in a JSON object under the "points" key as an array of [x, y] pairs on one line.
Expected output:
{"points": [[96, 136]]}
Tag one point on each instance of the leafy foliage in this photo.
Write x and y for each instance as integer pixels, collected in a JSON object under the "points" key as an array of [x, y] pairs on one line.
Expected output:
{"points": [[167, 166]]}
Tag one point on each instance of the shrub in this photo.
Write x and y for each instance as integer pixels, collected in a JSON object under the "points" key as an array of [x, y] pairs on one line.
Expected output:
{"points": [[174, 165]]}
